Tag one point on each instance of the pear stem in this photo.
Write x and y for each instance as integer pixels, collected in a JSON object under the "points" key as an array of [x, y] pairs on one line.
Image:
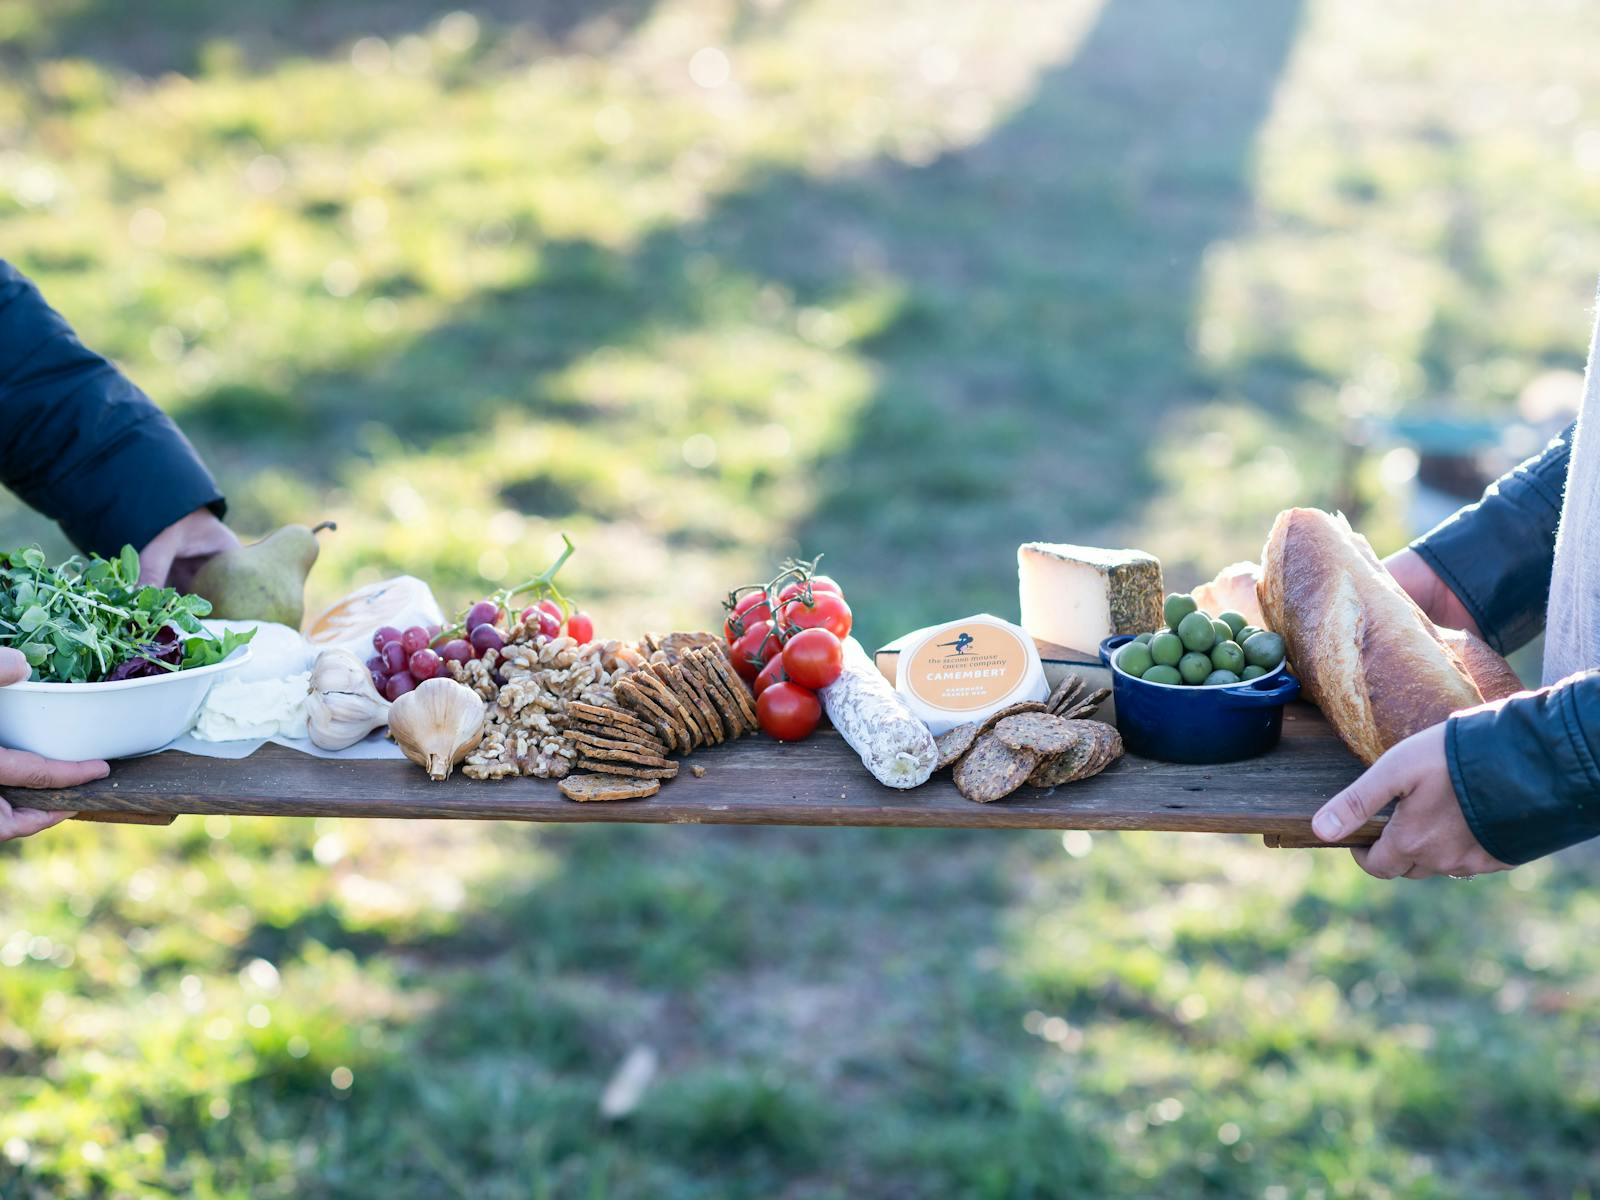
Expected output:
{"points": [[321, 525]]}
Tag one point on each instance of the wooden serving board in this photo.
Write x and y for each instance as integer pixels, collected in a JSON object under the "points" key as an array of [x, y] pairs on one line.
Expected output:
{"points": [[752, 782]]}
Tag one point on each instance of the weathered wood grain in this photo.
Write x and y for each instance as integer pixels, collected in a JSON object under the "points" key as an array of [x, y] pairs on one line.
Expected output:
{"points": [[757, 782]]}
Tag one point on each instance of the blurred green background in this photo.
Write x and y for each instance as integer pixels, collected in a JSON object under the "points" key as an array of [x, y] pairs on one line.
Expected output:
{"points": [[705, 284]]}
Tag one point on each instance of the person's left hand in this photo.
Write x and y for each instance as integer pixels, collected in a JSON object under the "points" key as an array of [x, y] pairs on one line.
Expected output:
{"points": [[177, 552], [1428, 834]]}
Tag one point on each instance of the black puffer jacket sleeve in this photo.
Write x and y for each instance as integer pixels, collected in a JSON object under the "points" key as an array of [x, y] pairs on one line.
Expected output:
{"points": [[1527, 771], [1496, 555], [79, 442]]}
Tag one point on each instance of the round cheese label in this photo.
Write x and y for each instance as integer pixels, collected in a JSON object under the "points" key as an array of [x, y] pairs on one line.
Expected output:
{"points": [[965, 666]]}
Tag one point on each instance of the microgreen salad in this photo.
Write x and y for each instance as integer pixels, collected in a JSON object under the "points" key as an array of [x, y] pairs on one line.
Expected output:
{"points": [[91, 621]]}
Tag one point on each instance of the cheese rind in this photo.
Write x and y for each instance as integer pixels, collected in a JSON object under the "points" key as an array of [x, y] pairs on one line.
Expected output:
{"points": [[1078, 595]]}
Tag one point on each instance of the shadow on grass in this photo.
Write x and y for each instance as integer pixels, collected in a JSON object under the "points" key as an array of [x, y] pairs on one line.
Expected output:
{"points": [[156, 36]]}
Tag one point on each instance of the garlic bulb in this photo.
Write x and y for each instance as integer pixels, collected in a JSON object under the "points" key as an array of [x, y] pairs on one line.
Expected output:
{"points": [[343, 706], [438, 724]]}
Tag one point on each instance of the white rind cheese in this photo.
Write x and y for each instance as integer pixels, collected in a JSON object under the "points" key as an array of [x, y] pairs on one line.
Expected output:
{"points": [[1076, 596]]}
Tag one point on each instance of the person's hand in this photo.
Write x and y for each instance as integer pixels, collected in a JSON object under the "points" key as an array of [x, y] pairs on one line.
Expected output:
{"points": [[179, 550], [1428, 834], [1431, 594], [19, 769]]}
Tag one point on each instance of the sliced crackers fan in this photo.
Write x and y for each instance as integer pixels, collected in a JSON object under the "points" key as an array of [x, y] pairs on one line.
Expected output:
{"points": [[1098, 746], [1068, 690], [992, 770]]}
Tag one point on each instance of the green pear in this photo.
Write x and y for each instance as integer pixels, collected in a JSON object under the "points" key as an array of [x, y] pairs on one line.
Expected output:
{"points": [[264, 581]]}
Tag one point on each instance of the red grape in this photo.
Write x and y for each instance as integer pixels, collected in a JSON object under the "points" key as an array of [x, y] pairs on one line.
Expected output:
{"points": [[554, 609], [456, 650], [378, 665], [414, 639], [394, 656], [531, 610], [384, 636], [425, 664], [433, 629], [548, 626], [487, 637], [484, 612], [380, 681], [399, 684], [581, 626]]}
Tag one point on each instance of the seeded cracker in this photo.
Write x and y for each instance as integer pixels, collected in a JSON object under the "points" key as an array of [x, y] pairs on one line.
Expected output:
{"points": [[629, 757], [670, 771], [1044, 732], [635, 698], [674, 706], [688, 690], [992, 770], [589, 741], [1067, 691], [953, 744], [1098, 746], [600, 787], [747, 706], [1088, 706], [1010, 710], [723, 700]]}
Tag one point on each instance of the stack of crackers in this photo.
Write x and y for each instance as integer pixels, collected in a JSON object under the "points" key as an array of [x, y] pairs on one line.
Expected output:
{"points": [[663, 708], [1045, 744]]}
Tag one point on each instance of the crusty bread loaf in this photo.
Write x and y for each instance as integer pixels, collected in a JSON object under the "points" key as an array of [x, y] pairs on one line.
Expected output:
{"points": [[1366, 655], [1493, 674]]}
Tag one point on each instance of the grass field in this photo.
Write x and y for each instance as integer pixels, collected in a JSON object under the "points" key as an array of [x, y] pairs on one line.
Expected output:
{"points": [[704, 284]]}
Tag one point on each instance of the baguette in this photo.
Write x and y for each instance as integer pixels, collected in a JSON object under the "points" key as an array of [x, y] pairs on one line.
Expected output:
{"points": [[1365, 653]]}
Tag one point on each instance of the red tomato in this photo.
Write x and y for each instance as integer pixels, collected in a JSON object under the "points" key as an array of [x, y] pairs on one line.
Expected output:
{"points": [[788, 712], [750, 653], [827, 610], [819, 583], [580, 625], [752, 607], [813, 658], [770, 674]]}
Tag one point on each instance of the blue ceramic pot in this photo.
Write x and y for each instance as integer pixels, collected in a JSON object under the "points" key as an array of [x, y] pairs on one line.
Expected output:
{"points": [[1185, 724]]}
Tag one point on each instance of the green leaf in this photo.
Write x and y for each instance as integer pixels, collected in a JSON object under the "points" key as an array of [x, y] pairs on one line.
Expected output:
{"points": [[35, 652], [32, 619], [129, 564], [34, 557]]}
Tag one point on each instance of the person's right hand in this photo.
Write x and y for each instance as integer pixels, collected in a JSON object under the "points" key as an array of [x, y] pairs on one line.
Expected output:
{"points": [[19, 769], [1431, 594]]}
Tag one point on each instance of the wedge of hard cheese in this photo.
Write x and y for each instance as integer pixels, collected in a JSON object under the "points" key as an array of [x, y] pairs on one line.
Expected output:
{"points": [[1078, 595]]}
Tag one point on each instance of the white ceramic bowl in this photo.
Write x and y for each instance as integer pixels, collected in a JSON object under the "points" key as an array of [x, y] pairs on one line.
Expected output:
{"points": [[107, 720]]}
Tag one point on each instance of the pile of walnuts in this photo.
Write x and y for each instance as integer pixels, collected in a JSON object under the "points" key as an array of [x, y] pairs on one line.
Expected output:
{"points": [[527, 687]]}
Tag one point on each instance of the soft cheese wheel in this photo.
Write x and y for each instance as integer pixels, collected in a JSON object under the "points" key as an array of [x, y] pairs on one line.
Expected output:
{"points": [[1078, 595]]}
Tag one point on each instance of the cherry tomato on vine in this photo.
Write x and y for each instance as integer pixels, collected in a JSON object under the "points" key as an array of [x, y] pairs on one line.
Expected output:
{"points": [[750, 653], [827, 610], [813, 658], [788, 712], [580, 626], [752, 607], [770, 674]]}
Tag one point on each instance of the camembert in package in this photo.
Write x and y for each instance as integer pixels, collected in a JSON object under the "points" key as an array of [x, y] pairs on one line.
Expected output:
{"points": [[964, 670]]}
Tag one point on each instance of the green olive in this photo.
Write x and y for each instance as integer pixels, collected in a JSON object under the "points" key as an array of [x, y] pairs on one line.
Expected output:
{"points": [[1252, 672], [1135, 659], [1197, 632], [1176, 607], [1265, 650], [1194, 667], [1217, 678], [1144, 638], [1227, 656], [1235, 621], [1166, 649], [1161, 673], [1244, 635], [1223, 631]]}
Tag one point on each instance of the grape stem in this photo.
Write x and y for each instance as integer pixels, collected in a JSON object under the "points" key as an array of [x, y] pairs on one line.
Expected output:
{"points": [[543, 586]]}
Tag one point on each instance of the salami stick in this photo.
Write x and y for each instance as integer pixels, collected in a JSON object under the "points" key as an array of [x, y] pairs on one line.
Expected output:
{"points": [[870, 715]]}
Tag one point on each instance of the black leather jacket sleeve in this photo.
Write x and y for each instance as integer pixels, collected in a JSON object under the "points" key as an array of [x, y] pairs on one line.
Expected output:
{"points": [[1527, 771], [79, 442], [1496, 555]]}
